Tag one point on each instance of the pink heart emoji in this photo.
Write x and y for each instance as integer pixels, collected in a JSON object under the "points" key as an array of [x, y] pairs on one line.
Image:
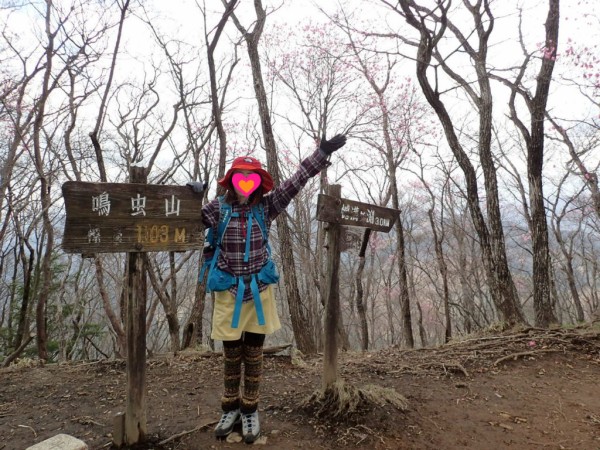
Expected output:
{"points": [[246, 184]]}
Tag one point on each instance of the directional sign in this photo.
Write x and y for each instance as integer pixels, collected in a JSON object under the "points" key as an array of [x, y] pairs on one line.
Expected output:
{"points": [[131, 217], [349, 212]]}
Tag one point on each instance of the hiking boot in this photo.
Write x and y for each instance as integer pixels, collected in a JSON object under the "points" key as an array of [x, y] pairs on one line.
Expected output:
{"points": [[250, 427], [228, 420]]}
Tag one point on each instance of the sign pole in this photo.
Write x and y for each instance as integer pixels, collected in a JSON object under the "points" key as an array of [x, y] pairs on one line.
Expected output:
{"points": [[332, 305], [135, 416], [133, 218]]}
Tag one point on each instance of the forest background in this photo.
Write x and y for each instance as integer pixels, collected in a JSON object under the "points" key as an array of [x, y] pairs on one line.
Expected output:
{"points": [[479, 120]]}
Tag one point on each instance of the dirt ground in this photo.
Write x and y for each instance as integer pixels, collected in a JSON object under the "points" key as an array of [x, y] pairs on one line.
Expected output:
{"points": [[528, 389]]}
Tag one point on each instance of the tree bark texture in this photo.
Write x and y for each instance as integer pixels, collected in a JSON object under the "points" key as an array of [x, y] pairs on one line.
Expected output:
{"points": [[332, 303], [544, 311]]}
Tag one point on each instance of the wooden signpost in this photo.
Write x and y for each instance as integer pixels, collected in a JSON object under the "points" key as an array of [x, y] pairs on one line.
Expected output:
{"points": [[130, 217], [134, 218], [339, 211], [349, 212]]}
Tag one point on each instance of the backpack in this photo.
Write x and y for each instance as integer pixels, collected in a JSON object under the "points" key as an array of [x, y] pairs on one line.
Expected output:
{"points": [[215, 235], [220, 280]]}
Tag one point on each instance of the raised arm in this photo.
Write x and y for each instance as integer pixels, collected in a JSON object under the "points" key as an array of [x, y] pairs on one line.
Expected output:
{"points": [[280, 197]]}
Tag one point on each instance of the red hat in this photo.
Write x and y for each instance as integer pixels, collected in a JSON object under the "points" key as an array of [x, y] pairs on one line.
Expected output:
{"points": [[248, 163]]}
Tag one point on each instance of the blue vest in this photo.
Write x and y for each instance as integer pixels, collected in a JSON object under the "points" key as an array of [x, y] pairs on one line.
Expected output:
{"points": [[220, 280]]}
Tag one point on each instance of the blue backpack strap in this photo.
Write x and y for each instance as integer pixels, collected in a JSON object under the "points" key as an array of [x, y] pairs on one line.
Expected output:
{"points": [[257, 213], [241, 287], [224, 218]]}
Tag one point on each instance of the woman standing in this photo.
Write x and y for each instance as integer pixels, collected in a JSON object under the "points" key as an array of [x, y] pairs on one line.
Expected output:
{"points": [[242, 275]]}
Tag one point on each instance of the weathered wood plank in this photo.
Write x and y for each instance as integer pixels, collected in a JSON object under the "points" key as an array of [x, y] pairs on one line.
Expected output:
{"points": [[349, 212], [131, 217]]}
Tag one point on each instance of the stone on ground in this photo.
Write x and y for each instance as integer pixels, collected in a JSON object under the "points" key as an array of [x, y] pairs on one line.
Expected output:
{"points": [[60, 442]]}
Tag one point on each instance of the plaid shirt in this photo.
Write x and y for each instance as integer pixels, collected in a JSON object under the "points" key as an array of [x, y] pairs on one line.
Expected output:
{"points": [[233, 245]]}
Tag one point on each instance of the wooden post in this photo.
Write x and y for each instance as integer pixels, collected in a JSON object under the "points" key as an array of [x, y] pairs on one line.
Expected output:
{"points": [[135, 218], [332, 305], [135, 416]]}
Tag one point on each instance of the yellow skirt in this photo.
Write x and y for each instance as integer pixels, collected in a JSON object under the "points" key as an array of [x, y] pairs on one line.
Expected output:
{"points": [[223, 313]]}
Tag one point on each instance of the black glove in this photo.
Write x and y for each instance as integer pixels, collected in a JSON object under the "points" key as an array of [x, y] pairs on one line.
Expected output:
{"points": [[333, 144], [197, 186]]}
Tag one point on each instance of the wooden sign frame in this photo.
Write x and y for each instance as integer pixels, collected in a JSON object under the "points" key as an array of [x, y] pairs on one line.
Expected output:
{"points": [[350, 212], [131, 217]]}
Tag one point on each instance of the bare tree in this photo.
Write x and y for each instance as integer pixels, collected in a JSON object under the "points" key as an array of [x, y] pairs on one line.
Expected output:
{"points": [[432, 26], [314, 74], [217, 106], [566, 242], [95, 134], [395, 134], [534, 140], [302, 334]]}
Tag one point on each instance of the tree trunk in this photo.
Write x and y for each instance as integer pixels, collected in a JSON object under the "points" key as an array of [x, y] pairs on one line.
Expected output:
{"points": [[422, 332], [360, 306], [192, 332], [28, 266], [168, 301], [570, 273], [114, 321], [407, 332], [544, 313], [467, 297], [444, 273], [300, 323], [534, 139], [94, 135], [214, 95], [45, 184]]}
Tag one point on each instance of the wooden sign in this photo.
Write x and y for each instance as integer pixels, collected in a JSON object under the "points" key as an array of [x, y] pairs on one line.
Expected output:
{"points": [[131, 217], [349, 212]]}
